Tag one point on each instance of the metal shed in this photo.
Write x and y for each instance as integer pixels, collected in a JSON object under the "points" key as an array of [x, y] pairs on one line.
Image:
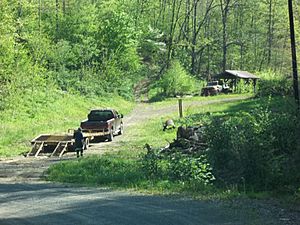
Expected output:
{"points": [[235, 75]]}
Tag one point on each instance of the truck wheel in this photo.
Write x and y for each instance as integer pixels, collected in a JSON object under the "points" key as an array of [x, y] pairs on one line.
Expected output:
{"points": [[121, 131], [110, 137]]}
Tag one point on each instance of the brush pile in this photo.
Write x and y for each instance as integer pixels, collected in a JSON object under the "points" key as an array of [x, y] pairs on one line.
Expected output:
{"points": [[189, 140]]}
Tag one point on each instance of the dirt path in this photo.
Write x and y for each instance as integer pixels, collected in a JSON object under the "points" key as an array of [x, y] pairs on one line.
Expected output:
{"points": [[25, 199]]}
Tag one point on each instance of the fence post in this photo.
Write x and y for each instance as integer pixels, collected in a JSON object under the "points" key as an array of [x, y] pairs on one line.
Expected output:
{"points": [[180, 108]]}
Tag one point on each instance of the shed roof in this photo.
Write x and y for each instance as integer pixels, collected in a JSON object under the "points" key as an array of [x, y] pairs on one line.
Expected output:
{"points": [[236, 74]]}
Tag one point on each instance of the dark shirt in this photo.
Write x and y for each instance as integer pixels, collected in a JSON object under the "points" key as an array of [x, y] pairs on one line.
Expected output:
{"points": [[78, 139]]}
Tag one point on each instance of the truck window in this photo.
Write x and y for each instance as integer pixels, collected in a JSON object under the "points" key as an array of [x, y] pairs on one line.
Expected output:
{"points": [[100, 115], [212, 83]]}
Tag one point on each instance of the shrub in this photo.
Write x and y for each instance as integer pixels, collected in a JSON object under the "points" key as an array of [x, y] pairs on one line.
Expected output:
{"points": [[189, 168], [176, 81], [150, 164], [274, 84], [259, 147], [177, 167], [243, 87]]}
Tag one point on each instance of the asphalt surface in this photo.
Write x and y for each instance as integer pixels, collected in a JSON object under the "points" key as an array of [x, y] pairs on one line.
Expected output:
{"points": [[46, 203]]}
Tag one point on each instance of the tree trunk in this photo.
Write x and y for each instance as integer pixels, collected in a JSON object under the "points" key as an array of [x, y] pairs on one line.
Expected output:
{"points": [[194, 39], [270, 32], [224, 11], [294, 53], [174, 21]]}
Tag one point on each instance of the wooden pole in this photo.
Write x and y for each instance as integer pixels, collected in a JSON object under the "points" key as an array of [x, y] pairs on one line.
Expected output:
{"points": [[294, 54], [180, 108]]}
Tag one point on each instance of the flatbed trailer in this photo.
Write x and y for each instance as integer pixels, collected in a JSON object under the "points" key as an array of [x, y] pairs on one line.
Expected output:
{"points": [[58, 144]]}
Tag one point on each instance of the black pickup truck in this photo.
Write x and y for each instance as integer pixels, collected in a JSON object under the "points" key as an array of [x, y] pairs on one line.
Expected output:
{"points": [[103, 123]]}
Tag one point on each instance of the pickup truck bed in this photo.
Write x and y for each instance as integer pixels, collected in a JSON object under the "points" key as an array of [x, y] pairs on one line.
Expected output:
{"points": [[103, 123]]}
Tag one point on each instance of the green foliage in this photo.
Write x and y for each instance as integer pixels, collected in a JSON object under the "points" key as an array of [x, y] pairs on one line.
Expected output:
{"points": [[90, 47], [244, 87], [115, 170], [176, 167], [196, 168], [152, 47], [150, 164], [66, 48], [274, 84], [106, 170], [259, 148], [176, 81]]}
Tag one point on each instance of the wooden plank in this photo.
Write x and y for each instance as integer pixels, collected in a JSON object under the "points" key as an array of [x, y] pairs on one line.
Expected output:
{"points": [[39, 150], [38, 142], [57, 146], [52, 138], [55, 142], [32, 149], [62, 152], [36, 138]]}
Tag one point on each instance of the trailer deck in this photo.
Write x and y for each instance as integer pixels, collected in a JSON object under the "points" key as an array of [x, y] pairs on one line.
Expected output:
{"points": [[56, 145]]}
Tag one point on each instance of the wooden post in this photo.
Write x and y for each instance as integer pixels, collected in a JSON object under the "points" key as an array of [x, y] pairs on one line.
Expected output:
{"points": [[180, 107]]}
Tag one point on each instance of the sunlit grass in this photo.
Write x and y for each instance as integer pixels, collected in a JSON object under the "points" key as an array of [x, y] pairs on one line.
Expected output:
{"points": [[172, 101], [56, 117]]}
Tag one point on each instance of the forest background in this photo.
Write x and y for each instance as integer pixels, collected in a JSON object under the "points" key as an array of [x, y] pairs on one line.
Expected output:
{"points": [[49, 48]]}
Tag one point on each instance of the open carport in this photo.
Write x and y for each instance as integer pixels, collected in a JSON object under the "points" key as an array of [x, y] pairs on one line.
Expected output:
{"points": [[232, 77]]}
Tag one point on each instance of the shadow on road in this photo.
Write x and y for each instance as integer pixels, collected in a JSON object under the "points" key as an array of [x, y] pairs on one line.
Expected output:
{"points": [[44, 203]]}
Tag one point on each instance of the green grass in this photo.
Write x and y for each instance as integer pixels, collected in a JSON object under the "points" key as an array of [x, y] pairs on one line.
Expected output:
{"points": [[172, 101], [119, 172], [57, 115]]}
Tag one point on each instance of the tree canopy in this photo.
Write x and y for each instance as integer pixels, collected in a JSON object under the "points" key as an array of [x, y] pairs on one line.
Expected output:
{"points": [[94, 47]]}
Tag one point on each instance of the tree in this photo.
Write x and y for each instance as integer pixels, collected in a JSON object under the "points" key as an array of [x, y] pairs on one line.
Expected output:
{"points": [[294, 54]]}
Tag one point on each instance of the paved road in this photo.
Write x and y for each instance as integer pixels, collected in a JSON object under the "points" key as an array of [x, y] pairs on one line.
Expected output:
{"points": [[46, 203]]}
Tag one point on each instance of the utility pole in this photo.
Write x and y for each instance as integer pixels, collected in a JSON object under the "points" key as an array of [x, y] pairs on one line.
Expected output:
{"points": [[294, 54]]}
